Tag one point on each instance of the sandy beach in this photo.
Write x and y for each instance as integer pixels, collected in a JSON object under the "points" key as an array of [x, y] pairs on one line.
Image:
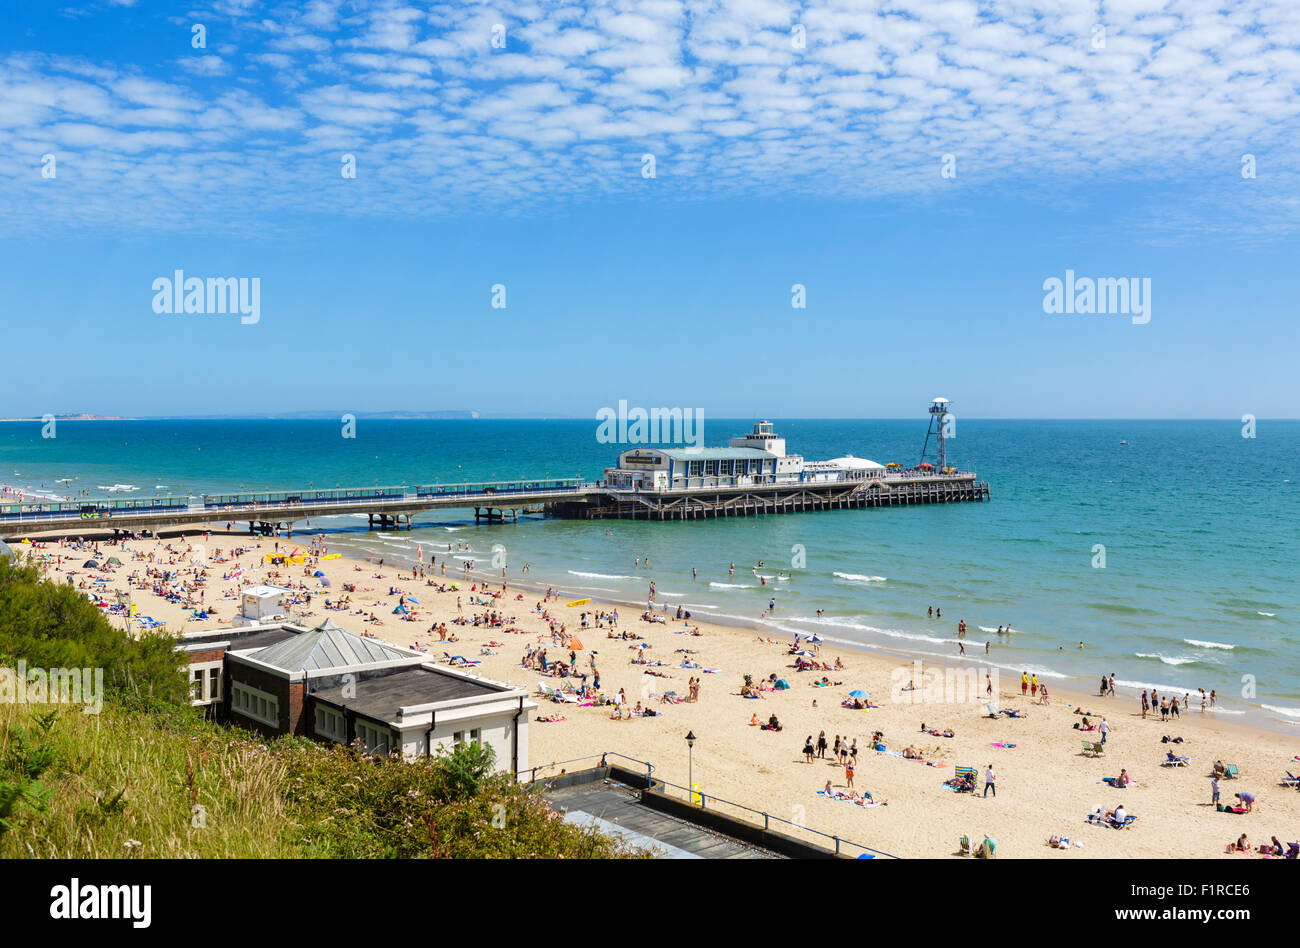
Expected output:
{"points": [[1045, 784]]}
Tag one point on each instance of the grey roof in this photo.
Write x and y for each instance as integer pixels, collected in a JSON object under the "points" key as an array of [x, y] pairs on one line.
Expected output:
{"points": [[714, 454], [327, 646], [380, 696]]}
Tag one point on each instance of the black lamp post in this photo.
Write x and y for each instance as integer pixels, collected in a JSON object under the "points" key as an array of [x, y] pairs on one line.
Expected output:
{"points": [[690, 767]]}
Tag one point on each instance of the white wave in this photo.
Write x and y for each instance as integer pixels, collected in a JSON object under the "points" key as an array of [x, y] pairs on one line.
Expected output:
{"points": [[985, 628], [1168, 660], [574, 572], [453, 529], [1199, 644], [1271, 615], [860, 578], [1288, 712], [732, 585]]}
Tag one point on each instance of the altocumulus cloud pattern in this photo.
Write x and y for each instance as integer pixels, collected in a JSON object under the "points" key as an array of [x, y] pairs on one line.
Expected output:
{"points": [[523, 106]]}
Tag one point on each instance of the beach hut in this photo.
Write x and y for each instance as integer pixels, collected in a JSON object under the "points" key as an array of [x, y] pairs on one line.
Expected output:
{"points": [[259, 603]]}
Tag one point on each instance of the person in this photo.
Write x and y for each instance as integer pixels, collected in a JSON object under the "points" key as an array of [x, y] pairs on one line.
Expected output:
{"points": [[1117, 815], [1242, 845], [930, 612], [808, 751], [1173, 707], [848, 774], [1103, 686], [1110, 689], [1146, 704], [1104, 728], [1246, 800], [1024, 683], [1033, 685], [1122, 779], [1214, 789], [821, 744], [990, 781]]}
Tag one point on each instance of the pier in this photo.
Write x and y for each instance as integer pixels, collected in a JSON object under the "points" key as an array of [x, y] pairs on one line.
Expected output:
{"points": [[393, 508]]}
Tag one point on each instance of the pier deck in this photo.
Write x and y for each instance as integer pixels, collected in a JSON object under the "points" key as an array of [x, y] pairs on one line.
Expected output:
{"points": [[394, 508]]}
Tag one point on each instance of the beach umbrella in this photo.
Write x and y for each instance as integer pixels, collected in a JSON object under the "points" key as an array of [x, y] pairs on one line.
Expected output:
{"points": [[858, 693], [318, 574], [815, 638], [642, 645], [412, 599], [805, 653], [893, 464], [925, 465], [325, 581]]}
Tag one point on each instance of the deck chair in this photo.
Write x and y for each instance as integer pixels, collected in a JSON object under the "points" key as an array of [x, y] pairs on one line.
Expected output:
{"points": [[1095, 748], [1173, 760], [1290, 780], [963, 774], [964, 844], [1231, 773], [990, 711]]}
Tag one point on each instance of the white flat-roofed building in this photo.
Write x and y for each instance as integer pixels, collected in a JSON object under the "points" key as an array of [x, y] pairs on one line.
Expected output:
{"points": [[756, 458]]}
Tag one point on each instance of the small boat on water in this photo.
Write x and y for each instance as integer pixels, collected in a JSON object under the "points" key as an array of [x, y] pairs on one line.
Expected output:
{"points": [[1123, 442]]}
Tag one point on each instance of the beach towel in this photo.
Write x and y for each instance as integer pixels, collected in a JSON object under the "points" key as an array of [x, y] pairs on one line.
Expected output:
{"points": [[865, 805], [1000, 744]]}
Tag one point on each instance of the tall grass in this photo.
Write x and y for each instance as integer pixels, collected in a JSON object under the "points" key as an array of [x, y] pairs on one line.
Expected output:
{"points": [[132, 784]]}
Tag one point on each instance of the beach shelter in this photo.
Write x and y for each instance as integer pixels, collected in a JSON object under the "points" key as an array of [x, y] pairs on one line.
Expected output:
{"points": [[782, 685], [318, 574], [113, 561], [575, 643], [90, 564]]}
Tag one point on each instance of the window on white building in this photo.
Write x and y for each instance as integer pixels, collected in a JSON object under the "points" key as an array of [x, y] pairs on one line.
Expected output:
{"points": [[377, 740], [205, 683], [255, 704], [331, 723]]}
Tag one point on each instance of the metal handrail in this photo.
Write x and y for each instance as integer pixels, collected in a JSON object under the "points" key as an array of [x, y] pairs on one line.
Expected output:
{"points": [[768, 817], [556, 763]]}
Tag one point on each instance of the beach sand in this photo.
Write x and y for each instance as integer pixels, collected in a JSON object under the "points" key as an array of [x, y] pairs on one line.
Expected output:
{"points": [[1045, 784]]}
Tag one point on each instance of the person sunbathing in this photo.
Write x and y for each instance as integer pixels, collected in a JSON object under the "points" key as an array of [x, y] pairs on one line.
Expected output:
{"points": [[1117, 815], [912, 753], [1242, 845], [1123, 779]]}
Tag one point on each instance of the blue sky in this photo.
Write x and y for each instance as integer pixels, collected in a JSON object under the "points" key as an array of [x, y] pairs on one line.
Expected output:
{"points": [[792, 144]]}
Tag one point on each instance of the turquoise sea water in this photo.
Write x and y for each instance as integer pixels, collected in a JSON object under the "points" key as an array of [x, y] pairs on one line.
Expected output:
{"points": [[1200, 528]]}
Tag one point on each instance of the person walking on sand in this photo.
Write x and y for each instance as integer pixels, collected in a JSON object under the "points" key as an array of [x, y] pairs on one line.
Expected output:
{"points": [[821, 745], [1104, 728], [1214, 790], [848, 774], [1146, 704], [808, 749], [1111, 685], [990, 781]]}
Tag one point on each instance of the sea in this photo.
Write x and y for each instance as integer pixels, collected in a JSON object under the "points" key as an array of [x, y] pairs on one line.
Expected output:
{"points": [[1167, 549]]}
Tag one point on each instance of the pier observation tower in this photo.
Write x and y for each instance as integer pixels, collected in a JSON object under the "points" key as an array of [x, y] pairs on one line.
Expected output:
{"points": [[939, 454]]}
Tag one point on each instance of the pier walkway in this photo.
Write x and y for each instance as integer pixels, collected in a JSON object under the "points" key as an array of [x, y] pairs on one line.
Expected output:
{"points": [[492, 502]]}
